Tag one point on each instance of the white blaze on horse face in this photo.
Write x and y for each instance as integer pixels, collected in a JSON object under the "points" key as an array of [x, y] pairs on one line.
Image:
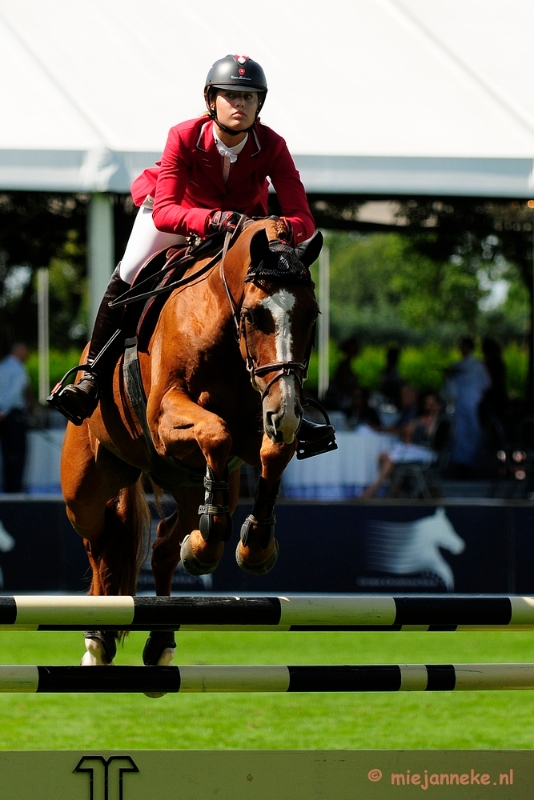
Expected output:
{"points": [[281, 305], [284, 421]]}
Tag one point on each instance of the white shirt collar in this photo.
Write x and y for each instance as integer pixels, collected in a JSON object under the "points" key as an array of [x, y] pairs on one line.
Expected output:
{"points": [[229, 152]]}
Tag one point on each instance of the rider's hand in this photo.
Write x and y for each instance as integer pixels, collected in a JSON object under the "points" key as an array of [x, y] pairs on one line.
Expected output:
{"points": [[288, 233], [222, 222]]}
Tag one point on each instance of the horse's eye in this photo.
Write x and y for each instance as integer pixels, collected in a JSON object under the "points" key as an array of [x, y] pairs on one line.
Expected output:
{"points": [[246, 316]]}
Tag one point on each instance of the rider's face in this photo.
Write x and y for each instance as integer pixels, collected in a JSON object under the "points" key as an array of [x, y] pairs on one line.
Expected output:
{"points": [[236, 110]]}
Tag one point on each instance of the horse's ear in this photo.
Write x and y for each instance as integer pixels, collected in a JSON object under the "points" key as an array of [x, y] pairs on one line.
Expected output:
{"points": [[308, 251], [259, 247]]}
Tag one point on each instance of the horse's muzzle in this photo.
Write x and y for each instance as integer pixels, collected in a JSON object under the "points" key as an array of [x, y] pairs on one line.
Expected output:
{"points": [[282, 412], [279, 435]]}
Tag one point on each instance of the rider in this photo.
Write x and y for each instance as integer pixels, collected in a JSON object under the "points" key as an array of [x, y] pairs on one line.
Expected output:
{"points": [[214, 169]]}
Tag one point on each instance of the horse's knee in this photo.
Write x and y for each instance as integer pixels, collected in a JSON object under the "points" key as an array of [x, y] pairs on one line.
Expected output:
{"points": [[215, 441], [211, 436]]}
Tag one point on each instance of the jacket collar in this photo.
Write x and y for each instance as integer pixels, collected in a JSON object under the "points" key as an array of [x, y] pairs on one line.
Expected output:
{"points": [[209, 156]]}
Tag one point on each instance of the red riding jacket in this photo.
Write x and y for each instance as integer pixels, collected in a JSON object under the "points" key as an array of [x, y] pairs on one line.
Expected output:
{"points": [[188, 185]]}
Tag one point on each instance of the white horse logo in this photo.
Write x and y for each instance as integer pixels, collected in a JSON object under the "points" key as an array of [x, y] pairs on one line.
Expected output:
{"points": [[7, 543], [404, 548]]}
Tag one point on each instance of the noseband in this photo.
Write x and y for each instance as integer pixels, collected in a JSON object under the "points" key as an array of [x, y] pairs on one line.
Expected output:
{"points": [[282, 368]]}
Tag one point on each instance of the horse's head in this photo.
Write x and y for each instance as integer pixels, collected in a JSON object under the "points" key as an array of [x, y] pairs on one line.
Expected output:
{"points": [[278, 316]]}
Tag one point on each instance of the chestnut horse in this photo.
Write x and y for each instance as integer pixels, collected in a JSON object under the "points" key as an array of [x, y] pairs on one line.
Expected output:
{"points": [[222, 373]]}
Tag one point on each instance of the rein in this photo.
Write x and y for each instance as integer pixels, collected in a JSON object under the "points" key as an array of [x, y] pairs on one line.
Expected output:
{"points": [[131, 297], [127, 298]]}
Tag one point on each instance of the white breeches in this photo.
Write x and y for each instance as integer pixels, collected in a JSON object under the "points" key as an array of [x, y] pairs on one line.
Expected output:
{"points": [[144, 242]]}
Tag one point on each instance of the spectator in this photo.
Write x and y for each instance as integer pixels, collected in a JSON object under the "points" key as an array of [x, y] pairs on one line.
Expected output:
{"points": [[415, 443], [495, 400], [344, 381], [409, 406], [390, 379], [14, 391], [466, 382], [360, 412]]}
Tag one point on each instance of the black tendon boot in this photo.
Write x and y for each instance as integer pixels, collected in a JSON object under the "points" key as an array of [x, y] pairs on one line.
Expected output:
{"points": [[78, 401]]}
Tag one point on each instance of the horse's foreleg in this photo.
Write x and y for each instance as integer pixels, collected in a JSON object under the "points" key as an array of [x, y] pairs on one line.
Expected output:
{"points": [[203, 548], [257, 551], [180, 429], [180, 426]]}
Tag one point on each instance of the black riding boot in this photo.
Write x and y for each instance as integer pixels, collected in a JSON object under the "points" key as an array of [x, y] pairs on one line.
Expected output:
{"points": [[314, 439], [78, 401]]}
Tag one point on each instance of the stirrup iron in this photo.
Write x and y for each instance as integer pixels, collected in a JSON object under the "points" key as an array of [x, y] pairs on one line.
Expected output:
{"points": [[322, 444], [56, 400]]}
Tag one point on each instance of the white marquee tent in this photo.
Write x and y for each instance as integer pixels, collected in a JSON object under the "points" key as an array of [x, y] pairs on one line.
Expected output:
{"points": [[378, 97], [373, 96]]}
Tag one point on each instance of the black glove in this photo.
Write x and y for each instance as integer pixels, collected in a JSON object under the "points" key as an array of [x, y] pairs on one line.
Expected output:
{"points": [[222, 222]]}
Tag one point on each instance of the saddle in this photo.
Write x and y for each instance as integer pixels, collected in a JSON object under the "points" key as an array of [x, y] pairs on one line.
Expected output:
{"points": [[157, 279]]}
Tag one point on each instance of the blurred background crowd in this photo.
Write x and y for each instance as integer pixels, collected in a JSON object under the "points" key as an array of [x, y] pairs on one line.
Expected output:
{"points": [[470, 425]]}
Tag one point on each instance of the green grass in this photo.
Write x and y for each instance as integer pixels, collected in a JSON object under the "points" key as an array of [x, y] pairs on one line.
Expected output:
{"points": [[461, 720]]}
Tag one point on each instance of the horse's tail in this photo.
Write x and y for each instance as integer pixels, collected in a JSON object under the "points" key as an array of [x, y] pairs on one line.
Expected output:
{"points": [[124, 544]]}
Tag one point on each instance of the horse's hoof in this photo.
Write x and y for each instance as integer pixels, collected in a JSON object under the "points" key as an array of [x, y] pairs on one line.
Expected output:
{"points": [[95, 655], [165, 660], [191, 563], [159, 651], [258, 568]]}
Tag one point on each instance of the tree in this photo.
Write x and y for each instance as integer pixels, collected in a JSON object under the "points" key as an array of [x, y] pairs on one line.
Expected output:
{"points": [[35, 229], [478, 234], [45, 229], [388, 286]]}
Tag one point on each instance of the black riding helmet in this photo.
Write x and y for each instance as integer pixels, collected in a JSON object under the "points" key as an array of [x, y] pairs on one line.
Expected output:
{"points": [[239, 72]]}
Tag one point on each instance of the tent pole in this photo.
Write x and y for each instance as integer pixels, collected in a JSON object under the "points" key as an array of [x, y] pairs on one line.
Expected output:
{"points": [[43, 333], [101, 249], [324, 321]]}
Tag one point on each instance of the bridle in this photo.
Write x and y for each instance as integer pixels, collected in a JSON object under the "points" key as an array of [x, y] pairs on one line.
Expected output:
{"points": [[298, 369]]}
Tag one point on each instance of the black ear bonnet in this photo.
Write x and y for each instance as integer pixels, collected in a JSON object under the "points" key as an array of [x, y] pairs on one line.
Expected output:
{"points": [[276, 261]]}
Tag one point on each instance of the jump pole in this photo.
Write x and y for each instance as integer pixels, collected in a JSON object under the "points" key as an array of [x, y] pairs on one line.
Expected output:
{"points": [[241, 678], [293, 613]]}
